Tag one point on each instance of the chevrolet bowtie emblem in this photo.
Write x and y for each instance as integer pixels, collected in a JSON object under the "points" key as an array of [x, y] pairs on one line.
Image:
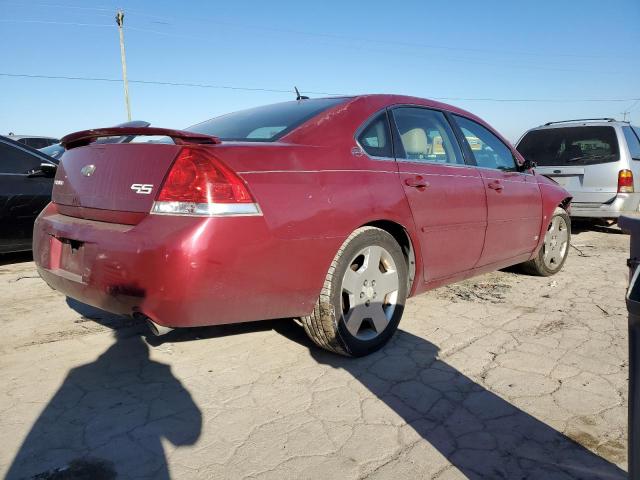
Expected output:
{"points": [[88, 170]]}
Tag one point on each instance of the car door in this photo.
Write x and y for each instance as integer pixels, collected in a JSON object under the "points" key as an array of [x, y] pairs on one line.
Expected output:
{"points": [[446, 195], [22, 196], [514, 203]]}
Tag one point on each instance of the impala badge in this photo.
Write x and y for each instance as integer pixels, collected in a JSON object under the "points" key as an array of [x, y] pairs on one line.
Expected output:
{"points": [[142, 188], [88, 170]]}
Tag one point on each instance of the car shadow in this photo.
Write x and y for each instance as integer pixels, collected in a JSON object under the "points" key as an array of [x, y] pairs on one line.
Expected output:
{"points": [[15, 257], [582, 226], [480, 433], [109, 417]]}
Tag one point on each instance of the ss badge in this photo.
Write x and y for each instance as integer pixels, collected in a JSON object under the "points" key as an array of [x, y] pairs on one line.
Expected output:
{"points": [[142, 188]]}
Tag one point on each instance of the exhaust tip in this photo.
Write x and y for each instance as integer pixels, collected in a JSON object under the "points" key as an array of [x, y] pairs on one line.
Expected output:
{"points": [[156, 330]]}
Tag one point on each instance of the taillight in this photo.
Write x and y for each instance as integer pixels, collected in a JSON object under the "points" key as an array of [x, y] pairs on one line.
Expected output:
{"points": [[200, 184], [625, 181]]}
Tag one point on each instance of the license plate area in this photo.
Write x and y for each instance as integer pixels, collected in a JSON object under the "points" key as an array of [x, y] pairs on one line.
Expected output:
{"points": [[568, 181], [67, 257]]}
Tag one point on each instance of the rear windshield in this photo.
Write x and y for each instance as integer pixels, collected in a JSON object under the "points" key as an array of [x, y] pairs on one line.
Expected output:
{"points": [[570, 146], [265, 124]]}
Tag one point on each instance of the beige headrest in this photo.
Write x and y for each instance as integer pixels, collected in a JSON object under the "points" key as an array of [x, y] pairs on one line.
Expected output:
{"points": [[415, 142]]}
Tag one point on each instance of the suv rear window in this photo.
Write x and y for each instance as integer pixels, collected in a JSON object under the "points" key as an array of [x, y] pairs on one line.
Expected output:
{"points": [[267, 123], [570, 146]]}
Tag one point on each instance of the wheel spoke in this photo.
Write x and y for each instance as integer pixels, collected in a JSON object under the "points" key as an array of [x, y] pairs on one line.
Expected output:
{"points": [[386, 283], [352, 281], [373, 259], [563, 235], [354, 319], [378, 317]]}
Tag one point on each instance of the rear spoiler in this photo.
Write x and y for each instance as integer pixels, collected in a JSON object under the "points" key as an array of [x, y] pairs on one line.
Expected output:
{"points": [[181, 137]]}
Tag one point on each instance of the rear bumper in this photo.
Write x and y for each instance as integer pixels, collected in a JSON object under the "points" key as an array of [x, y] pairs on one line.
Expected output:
{"points": [[180, 271], [622, 203]]}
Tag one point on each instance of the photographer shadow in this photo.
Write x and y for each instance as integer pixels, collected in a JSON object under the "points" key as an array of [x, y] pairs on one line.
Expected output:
{"points": [[109, 417]]}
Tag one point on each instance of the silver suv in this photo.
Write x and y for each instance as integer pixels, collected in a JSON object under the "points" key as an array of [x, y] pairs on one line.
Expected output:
{"points": [[596, 160]]}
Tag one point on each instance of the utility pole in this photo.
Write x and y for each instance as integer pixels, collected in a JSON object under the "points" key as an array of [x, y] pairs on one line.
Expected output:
{"points": [[120, 22]]}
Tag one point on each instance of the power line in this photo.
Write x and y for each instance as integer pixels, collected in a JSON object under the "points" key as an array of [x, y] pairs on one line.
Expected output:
{"points": [[447, 59], [53, 22], [275, 90], [157, 82], [50, 5], [350, 38]]}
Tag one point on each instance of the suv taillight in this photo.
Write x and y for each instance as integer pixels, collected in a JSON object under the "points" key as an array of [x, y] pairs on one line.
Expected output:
{"points": [[199, 184], [625, 181]]}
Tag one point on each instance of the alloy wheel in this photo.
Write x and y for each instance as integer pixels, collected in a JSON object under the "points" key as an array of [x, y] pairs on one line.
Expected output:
{"points": [[556, 242], [369, 292]]}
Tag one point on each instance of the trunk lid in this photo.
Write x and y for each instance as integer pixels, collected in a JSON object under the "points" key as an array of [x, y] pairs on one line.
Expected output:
{"points": [[123, 177], [116, 177]]}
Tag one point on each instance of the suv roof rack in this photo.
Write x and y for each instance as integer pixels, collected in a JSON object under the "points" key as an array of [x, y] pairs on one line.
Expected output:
{"points": [[608, 119]]}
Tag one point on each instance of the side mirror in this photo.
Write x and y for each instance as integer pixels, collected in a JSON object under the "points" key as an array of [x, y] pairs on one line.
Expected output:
{"points": [[46, 170], [527, 165]]}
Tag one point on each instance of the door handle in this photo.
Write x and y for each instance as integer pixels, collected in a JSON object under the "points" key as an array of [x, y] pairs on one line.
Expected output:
{"points": [[495, 186], [416, 182]]}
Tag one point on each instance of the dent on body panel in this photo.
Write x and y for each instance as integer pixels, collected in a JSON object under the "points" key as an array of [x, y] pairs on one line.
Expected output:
{"points": [[552, 197]]}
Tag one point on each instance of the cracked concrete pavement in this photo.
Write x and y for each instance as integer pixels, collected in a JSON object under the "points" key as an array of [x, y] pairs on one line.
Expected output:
{"points": [[502, 376]]}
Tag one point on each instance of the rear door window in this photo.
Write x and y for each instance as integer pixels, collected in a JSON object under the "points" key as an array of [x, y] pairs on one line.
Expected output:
{"points": [[566, 146], [426, 136], [632, 142]]}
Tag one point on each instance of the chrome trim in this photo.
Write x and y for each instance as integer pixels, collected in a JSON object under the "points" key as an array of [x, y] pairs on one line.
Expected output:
{"points": [[431, 162], [253, 172], [190, 209]]}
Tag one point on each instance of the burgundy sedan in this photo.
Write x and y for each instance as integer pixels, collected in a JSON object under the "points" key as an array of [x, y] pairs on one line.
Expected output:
{"points": [[331, 210]]}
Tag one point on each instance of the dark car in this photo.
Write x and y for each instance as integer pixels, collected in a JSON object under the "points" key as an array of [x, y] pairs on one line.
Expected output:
{"points": [[33, 141], [26, 180]]}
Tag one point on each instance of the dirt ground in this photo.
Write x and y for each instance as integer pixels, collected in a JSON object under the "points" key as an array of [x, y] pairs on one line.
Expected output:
{"points": [[504, 376]]}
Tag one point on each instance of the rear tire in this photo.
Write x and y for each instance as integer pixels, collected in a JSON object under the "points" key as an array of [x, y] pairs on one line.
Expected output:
{"points": [[363, 296], [555, 249]]}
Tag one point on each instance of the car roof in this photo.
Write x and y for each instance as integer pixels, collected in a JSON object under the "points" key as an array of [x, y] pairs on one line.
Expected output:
{"points": [[18, 137], [582, 123], [394, 99]]}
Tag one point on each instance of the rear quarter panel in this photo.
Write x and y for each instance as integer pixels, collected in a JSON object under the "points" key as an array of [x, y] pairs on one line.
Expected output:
{"points": [[311, 186]]}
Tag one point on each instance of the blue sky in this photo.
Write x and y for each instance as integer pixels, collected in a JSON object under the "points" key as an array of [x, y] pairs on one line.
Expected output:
{"points": [[565, 51]]}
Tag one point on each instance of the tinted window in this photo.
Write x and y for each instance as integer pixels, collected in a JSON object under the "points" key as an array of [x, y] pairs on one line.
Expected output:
{"points": [[426, 136], [376, 138], [570, 146], [488, 150], [632, 142], [55, 151], [37, 142], [16, 160], [266, 123]]}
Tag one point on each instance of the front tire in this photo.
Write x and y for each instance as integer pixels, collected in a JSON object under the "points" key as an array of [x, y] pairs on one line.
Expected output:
{"points": [[555, 249], [363, 296]]}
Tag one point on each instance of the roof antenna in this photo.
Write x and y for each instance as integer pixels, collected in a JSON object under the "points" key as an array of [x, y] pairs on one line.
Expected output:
{"points": [[298, 96]]}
